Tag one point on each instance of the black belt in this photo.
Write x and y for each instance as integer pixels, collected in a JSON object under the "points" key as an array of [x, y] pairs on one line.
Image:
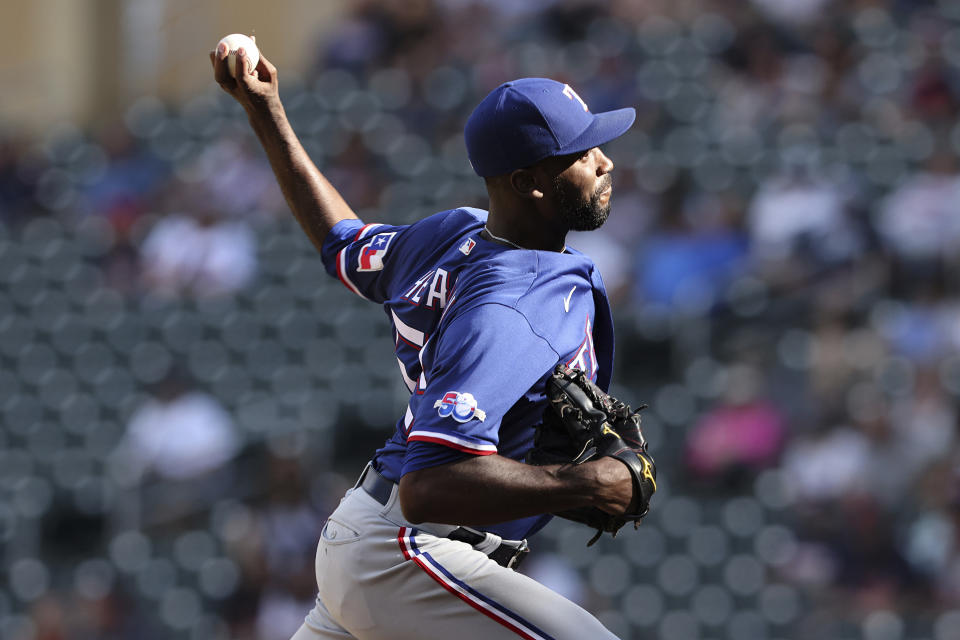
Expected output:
{"points": [[376, 485], [508, 554]]}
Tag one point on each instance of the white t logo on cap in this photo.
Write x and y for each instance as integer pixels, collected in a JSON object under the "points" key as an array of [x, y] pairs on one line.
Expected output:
{"points": [[570, 93]]}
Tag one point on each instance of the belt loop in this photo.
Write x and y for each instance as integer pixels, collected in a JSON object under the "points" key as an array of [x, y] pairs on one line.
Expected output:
{"points": [[392, 504], [363, 474]]}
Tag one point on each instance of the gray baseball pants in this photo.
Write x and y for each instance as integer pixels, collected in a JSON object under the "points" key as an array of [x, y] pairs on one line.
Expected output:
{"points": [[382, 578]]}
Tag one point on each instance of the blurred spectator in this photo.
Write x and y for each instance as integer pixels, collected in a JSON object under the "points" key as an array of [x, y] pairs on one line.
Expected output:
{"points": [[927, 421], [688, 259], [934, 95], [289, 523], [919, 224], [924, 328], [359, 186], [235, 177], [932, 540], [797, 215], [797, 12], [848, 482], [199, 254], [863, 540], [361, 40], [379, 30], [866, 458], [179, 433], [842, 355], [738, 437], [130, 181]]}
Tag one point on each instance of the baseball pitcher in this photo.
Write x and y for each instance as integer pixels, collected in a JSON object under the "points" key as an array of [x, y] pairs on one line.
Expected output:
{"points": [[504, 339]]}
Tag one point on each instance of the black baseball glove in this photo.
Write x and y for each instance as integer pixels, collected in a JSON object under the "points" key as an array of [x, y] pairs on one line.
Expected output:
{"points": [[584, 423]]}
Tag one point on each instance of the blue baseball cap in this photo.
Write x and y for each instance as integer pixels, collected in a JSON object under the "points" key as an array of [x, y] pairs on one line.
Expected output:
{"points": [[524, 121]]}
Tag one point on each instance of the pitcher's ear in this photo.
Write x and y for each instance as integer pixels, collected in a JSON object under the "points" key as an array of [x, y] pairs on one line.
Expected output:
{"points": [[524, 183]]}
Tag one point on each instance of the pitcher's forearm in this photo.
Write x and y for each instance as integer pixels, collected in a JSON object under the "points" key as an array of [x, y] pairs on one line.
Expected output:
{"points": [[315, 203], [484, 490]]}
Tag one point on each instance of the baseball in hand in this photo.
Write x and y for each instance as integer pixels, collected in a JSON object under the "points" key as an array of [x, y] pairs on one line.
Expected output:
{"points": [[235, 41]]}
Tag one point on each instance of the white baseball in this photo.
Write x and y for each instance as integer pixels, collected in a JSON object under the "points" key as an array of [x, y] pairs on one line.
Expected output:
{"points": [[235, 41]]}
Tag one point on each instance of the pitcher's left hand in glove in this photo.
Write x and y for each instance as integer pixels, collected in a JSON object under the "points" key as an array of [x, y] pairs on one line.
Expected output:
{"points": [[585, 423]]}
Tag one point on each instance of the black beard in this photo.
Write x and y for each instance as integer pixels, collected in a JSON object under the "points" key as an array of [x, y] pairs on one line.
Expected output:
{"points": [[579, 213]]}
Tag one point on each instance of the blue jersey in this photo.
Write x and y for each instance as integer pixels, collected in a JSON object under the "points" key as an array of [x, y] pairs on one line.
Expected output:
{"points": [[478, 329]]}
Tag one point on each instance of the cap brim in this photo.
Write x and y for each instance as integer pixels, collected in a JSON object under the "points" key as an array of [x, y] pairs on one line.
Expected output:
{"points": [[605, 127]]}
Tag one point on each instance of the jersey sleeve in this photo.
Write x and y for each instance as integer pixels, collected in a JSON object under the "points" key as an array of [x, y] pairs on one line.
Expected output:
{"points": [[360, 256], [483, 363]]}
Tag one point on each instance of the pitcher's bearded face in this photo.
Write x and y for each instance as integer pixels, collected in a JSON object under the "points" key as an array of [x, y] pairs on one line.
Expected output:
{"points": [[579, 211]]}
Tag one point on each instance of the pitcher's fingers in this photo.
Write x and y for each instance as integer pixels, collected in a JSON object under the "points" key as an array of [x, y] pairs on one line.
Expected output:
{"points": [[261, 71], [243, 75], [221, 70], [267, 71]]}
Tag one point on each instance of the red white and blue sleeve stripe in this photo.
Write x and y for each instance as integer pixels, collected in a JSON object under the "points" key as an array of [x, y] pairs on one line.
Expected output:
{"points": [[454, 441]]}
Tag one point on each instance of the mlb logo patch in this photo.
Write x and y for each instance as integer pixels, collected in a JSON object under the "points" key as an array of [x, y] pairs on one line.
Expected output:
{"points": [[468, 246], [459, 406], [371, 255]]}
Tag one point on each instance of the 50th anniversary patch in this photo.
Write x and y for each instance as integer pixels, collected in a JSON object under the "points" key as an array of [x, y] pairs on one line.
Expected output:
{"points": [[459, 406]]}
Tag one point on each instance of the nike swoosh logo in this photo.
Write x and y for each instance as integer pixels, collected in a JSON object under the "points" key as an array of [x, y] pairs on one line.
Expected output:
{"points": [[566, 301]]}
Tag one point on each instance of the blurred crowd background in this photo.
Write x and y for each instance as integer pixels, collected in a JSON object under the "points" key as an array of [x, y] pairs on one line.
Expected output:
{"points": [[185, 394]]}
